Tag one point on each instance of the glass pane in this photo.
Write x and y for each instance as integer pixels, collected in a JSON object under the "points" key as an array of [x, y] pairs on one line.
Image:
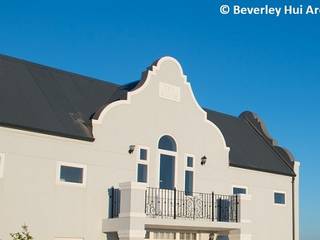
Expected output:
{"points": [[71, 174], [190, 161], [182, 236], [279, 198], [167, 143], [167, 171], [188, 182], [237, 190], [143, 154], [223, 210], [142, 173]]}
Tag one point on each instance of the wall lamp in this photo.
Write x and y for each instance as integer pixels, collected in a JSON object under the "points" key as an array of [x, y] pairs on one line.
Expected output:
{"points": [[131, 149], [203, 160]]}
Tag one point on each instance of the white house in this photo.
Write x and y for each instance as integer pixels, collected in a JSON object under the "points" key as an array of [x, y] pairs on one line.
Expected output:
{"points": [[87, 159]]}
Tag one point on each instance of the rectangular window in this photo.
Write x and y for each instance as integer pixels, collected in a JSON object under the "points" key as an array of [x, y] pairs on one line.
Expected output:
{"points": [[142, 164], [189, 183], [71, 173], [1, 164], [142, 173], [189, 161], [143, 154], [239, 190], [279, 198]]}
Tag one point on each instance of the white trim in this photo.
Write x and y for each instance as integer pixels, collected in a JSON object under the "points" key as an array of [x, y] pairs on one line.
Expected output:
{"points": [[137, 168], [166, 152], [68, 164], [169, 153], [143, 162], [173, 154], [175, 140], [186, 161], [2, 159], [285, 198], [240, 186], [152, 72], [139, 147], [191, 169]]}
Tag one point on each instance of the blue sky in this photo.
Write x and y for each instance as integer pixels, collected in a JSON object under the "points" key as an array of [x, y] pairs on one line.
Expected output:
{"points": [[265, 64]]}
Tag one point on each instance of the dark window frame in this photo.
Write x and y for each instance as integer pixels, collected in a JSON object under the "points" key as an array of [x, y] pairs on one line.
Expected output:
{"points": [[143, 154], [143, 177], [167, 143], [188, 189], [241, 190], [191, 158], [71, 174], [279, 198]]}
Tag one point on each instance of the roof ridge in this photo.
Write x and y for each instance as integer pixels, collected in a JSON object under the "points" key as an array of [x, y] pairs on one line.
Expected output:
{"points": [[225, 114]]}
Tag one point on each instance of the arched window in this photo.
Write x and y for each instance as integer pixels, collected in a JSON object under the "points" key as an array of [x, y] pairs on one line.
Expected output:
{"points": [[167, 143], [167, 148]]}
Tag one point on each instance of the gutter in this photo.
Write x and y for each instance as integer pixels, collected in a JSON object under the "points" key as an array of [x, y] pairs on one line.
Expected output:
{"points": [[293, 209]]}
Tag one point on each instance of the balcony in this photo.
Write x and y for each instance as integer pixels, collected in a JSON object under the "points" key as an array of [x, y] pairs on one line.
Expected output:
{"points": [[135, 208]]}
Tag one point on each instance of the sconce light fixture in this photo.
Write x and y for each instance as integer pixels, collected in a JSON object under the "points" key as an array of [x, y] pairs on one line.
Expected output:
{"points": [[203, 160], [131, 149]]}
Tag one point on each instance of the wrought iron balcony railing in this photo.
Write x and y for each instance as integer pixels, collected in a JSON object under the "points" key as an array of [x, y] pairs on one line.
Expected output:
{"points": [[175, 204], [165, 203]]}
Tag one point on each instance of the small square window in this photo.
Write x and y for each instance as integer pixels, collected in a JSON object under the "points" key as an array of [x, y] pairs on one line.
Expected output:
{"points": [[279, 198], [189, 161], [142, 173], [143, 154], [239, 190]]}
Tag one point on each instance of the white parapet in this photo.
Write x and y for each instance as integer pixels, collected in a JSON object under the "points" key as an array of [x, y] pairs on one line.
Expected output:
{"points": [[130, 223]]}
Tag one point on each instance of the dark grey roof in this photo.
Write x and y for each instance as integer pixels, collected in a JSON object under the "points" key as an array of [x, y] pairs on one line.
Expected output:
{"points": [[47, 100], [250, 145], [43, 99]]}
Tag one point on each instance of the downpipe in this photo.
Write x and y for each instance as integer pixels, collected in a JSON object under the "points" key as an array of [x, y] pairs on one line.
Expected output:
{"points": [[293, 210]]}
